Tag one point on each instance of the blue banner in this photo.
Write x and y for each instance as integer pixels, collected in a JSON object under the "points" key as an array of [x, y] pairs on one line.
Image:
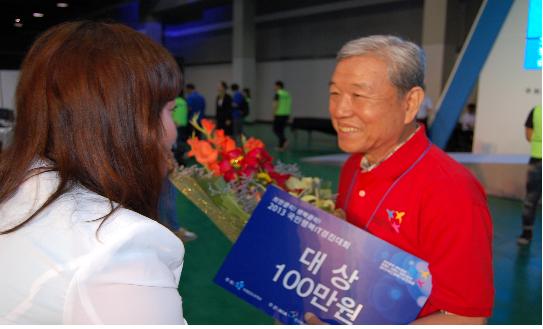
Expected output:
{"points": [[293, 258]]}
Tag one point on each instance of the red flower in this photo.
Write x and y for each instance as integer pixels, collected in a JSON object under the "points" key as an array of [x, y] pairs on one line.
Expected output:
{"points": [[280, 179], [228, 172]]}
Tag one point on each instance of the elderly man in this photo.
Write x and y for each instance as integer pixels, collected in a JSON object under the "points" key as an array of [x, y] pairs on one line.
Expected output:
{"points": [[400, 187]]}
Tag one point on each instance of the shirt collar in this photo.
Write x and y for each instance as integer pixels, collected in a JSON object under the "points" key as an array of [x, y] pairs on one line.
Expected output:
{"points": [[401, 157], [366, 166]]}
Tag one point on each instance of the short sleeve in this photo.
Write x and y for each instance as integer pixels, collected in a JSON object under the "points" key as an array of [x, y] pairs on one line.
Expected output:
{"points": [[131, 279], [456, 240]]}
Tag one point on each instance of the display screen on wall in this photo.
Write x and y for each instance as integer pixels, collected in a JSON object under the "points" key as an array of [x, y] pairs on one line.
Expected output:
{"points": [[532, 56]]}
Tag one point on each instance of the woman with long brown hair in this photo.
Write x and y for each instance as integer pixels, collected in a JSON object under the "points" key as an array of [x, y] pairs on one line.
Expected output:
{"points": [[79, 185]]}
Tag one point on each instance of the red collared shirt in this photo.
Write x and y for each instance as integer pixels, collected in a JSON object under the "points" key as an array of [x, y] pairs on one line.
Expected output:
{"points": [[436, 211]]}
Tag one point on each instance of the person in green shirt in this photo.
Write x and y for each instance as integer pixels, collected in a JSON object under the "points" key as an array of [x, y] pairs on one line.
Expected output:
{"points": [[532, 128], [282, 108], [180, 118]]}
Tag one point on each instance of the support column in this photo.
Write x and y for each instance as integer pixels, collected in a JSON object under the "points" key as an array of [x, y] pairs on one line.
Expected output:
{"points": [[469, 64], [433, 42], [243, 57]]}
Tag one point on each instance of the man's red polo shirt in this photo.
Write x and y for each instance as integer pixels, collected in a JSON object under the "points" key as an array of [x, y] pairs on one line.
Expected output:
{"points": [[436, 211]]}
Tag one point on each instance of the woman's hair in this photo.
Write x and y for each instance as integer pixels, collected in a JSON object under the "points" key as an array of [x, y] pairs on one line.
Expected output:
{"points": [[89, 99]]}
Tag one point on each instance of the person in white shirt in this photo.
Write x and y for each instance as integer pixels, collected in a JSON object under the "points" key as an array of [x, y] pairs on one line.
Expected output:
{"points": [[467, 125], [425, 110], [467, 119], [80, 183]]}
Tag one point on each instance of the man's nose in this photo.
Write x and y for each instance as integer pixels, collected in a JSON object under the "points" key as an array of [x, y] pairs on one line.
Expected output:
{"points": [[344, 106]]}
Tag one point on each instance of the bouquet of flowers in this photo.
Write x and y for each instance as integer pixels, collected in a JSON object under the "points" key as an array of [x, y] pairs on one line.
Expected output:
{"points": [[229, 179]]}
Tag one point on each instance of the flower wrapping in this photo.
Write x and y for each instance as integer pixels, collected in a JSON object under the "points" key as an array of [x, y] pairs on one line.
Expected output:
{"points": [[229, 180], [203, 190]]}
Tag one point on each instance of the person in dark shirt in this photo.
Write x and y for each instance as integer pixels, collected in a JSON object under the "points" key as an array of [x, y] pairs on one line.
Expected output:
{"points": [[196, 102], [224, 109], [196, 106], [238, 104]]}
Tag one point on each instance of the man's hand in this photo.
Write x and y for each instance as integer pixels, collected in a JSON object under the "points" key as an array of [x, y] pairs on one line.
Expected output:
{"points": [[311, 318], [449, 318], [340, 213]]}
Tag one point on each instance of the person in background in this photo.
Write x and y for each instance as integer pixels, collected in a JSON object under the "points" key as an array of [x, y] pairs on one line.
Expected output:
{"points": [[467, 125], [224, 109], [166, 209], [238, 105], [247, 95], [168, 213], [403, 189], [7, 119], [532, 129], [425, 110], [467, 119], [180, 118], [197, 106], [282, 108], [79, 186]]}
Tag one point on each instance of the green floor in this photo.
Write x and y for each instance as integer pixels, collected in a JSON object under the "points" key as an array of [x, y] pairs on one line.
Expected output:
{"points": [[517, 271]]}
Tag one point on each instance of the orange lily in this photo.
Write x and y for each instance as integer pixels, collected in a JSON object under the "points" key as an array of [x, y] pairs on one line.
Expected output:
{"points": [[208, 126], [222, 142], [203, 151], [252, 143], [229, 144], [218, 138]]}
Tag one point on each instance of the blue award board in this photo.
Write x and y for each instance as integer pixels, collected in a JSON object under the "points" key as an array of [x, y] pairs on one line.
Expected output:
{"points": [[292, 258]]}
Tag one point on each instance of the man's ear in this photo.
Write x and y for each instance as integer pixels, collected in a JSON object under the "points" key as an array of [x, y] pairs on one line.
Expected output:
{"points": [[413, 99]]}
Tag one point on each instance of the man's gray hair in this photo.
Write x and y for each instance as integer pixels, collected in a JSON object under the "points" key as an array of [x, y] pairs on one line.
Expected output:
{"points": [[406, 61]]}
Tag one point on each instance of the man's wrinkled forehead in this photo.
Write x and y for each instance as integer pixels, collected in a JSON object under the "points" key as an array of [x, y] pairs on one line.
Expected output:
{"points": [[360, 72], [355, 85]]}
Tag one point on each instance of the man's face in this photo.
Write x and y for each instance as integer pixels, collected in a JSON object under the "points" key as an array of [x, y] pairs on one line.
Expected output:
{"points": [[366, 109]]}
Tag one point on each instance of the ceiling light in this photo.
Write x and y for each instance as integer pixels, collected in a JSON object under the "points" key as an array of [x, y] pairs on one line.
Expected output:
{"points": [[62, 4], [37, 14], [17, 20], [18, 24]]}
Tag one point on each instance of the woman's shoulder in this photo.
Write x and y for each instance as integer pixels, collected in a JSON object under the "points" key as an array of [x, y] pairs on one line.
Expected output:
{"points": [[28, 198], [125, 224], [134, 249], [85, 216], [118, 230]]}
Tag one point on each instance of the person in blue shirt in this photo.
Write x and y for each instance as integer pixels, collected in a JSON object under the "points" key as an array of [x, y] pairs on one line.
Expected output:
{"points": [[196, 103]]}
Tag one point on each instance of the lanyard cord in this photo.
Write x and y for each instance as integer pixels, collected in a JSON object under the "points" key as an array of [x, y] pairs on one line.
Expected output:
{"points": [[355, 176]]}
